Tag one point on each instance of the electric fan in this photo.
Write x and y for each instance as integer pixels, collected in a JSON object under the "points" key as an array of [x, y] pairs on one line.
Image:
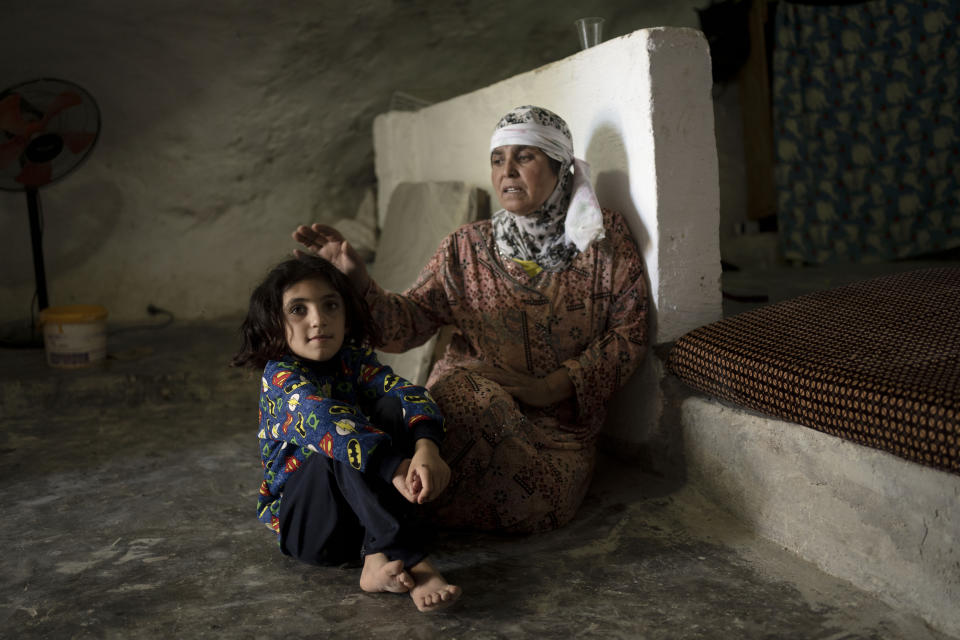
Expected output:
{"points": [[47, 128]]}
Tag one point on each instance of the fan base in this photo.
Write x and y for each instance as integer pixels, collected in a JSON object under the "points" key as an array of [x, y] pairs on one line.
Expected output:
{"points": [[17, 336]]}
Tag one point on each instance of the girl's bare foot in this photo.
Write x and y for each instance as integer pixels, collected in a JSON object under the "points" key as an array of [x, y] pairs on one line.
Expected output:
{"points": [[380, 574], [431, 592]]}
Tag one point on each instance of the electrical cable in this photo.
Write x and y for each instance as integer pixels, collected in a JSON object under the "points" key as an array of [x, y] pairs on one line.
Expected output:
{"points": [[153, 310]]}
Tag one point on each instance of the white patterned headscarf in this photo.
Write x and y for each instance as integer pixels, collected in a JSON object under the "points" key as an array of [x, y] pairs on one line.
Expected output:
{"points": [[570, 219]]}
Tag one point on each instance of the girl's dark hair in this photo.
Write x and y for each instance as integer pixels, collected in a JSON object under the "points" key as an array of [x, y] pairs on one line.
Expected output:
{"points": [[264, 331]]}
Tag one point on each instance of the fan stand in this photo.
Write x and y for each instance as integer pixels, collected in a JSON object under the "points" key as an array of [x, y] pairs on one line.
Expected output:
{"points": [[30, 338], [36, 241], [27, 337]]}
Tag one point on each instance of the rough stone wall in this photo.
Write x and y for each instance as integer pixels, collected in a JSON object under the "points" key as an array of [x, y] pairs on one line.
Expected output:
{"points": [[227, 123]]}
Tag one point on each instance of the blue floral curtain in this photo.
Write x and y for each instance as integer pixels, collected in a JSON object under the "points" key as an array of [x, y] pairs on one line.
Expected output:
{"points": [[866, 109]]}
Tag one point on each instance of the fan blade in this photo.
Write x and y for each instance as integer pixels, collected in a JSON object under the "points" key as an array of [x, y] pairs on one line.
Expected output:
{"points": [[11, 150], [10, 119], [65, 100], [35, 175], [77, 142]]}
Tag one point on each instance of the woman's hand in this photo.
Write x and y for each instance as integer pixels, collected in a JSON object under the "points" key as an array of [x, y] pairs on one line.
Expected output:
{"points": [[558, 440], [428, 475], [328, 243], [530, 390], [538, 392]]}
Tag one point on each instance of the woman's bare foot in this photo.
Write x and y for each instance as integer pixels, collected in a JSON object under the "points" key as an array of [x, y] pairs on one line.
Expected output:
{"points": [[431, 592], [380, 574]]}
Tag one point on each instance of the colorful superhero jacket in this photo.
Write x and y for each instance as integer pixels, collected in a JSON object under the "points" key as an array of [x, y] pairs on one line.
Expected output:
{"points": [[311, 408]]}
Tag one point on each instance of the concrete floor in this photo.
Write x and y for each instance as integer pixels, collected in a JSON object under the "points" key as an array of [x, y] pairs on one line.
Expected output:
{"points": [[130, 489]]}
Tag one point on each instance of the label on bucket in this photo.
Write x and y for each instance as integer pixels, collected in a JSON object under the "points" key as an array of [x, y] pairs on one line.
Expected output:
{"points": [[75, 345], [69, 359]]}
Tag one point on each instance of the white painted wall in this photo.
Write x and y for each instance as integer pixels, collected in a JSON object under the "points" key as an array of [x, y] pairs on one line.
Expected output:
{"points": [[640, 111]]}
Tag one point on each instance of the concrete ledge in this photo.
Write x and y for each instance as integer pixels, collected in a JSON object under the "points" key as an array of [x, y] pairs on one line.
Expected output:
{"points": [[889, 526]]}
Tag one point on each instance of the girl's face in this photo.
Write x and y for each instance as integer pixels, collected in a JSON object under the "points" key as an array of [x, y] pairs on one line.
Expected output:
{"points": [[315, 319]]}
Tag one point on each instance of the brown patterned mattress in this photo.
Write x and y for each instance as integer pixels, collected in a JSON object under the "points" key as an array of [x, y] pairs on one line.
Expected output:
{"points": [[876, 362]]}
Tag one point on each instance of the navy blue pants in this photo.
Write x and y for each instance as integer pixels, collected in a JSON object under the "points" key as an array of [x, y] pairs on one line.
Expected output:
{"points": [[332, 514]]}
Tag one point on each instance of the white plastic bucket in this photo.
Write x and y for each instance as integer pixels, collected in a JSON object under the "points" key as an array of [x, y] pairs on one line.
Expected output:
{"points": [[74, 335]]}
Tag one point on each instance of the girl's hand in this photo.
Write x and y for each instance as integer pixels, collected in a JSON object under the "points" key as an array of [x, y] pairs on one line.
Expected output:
{"points": [[326, 242], [428, 474], [400, 481], [530, 390]]}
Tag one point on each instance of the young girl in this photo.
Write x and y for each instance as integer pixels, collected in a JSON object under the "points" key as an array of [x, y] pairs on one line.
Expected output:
{"points": [[345, 444]]}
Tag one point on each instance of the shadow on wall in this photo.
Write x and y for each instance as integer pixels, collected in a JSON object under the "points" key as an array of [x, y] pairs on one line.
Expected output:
{"points": [[635, 411], [607, 148], [67, 246]]}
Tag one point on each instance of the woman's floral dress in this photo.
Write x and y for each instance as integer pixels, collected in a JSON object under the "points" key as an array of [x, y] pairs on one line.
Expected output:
{"points": [[590, 318]]}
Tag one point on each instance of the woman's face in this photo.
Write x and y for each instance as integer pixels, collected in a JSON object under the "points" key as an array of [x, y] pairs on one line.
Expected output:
{"points": [[315, 319], [522, 177]]}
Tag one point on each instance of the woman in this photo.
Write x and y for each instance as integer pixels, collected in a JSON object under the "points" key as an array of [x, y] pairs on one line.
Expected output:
{"points": [[549, 303]]}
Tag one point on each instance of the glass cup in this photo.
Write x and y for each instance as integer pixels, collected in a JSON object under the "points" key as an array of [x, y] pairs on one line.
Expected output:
{"points": [[590, 31]]}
